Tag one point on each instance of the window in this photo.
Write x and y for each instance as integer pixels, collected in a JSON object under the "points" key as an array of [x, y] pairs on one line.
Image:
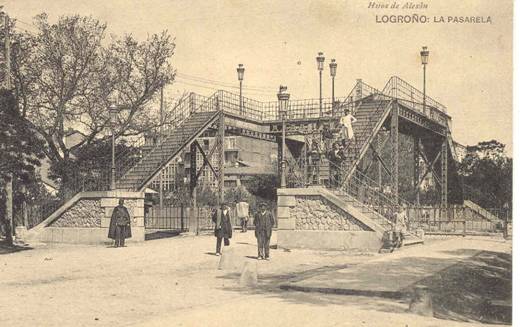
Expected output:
{"points": [[231, 143], [230, 183]]}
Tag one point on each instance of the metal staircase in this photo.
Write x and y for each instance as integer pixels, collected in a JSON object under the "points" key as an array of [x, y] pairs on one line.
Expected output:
{"points": [[151, 164], [192, 116], [370, 113]]}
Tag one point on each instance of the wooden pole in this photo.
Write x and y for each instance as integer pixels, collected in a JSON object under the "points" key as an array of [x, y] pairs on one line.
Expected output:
{"points": [[160, 140], [7, 53]]}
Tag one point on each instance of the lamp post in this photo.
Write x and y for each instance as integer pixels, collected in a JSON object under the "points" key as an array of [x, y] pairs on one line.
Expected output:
{"points": [[240, 71], [320, 59], [113, 111], [283, 103], [424, 59], [333, 66]]}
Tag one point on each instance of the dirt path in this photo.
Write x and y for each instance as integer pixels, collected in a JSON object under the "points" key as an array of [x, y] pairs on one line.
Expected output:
{"points": [[175, 282]]}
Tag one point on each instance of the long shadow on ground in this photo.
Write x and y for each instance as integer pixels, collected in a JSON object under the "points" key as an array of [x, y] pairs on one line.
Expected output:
{"points": [[6, 248], [476, 289], [156, 235]]}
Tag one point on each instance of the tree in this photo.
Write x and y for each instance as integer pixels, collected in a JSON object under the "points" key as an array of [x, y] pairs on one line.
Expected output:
{"points": [[68, 73], [487, 175], [20, 150], [263, 186]]}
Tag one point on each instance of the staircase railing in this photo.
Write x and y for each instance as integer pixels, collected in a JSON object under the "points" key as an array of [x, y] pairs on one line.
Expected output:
{"points": [[400, 89], [182, 111], [368, 193]]}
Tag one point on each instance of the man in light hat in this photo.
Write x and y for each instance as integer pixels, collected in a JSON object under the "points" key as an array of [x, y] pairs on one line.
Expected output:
{"points": [[264, 222]]}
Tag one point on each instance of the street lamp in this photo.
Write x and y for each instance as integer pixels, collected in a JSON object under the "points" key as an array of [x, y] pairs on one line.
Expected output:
{"points": [[333, 66], [424, 59], [240, 71], [283, 104], [113, 111], [320, 59]]}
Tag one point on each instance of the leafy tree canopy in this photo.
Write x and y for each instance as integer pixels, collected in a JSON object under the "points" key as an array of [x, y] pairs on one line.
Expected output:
{"points": [[69, 72], [487, 174]]}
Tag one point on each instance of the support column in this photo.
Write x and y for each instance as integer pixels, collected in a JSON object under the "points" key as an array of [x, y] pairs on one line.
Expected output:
{"points": [[280, 156], [193, 166], [194, 219], [444, 177], [379, 164], [305, 161], [221, 161], [394, 140], [417, 169]]}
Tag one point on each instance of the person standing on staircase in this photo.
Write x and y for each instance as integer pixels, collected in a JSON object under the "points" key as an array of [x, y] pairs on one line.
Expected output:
{"points": [[335, 157], [264, 223], [346, 125], [223, 229], [120, 228], [327, 137]]}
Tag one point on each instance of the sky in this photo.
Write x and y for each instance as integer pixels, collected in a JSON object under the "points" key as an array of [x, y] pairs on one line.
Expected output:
{"points": [[469, 71]]}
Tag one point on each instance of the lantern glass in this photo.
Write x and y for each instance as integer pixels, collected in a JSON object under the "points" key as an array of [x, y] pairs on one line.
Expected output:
{"points": [[424, 55], [240, 71], [113, 111], [320, 59], [333, 66], [283, 99]]}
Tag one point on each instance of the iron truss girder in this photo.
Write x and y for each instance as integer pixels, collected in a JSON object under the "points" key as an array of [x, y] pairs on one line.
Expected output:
{"points": [[250, 133], [422, 121]]}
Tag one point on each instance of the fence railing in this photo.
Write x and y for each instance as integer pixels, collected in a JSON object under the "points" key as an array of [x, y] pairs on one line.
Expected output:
{"points": [[399, 88], [179, 218], [461, 227], [82, 180]]}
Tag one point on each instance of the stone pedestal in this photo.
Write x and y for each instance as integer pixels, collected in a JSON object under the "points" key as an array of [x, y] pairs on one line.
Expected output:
{"points": [[85, 219], [315, 219]]}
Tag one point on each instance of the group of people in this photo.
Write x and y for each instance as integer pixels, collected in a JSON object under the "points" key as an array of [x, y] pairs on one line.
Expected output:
{"points": [[332, 144], [327, 136], [263, 222], [120, 228]]}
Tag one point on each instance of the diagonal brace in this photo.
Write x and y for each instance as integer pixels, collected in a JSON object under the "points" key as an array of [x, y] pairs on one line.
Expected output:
{"points": [[206, 160], [429, 168], [378, 157]]}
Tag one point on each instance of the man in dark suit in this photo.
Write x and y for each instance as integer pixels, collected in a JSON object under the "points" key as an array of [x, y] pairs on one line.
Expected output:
{"points": [[119, 228], [223, 229], [264, 222]]}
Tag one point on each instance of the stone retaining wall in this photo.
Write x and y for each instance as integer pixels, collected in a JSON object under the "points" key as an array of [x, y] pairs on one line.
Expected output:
{"points": [[315, 219], [85, 219], [316, 213], [85, 213]]}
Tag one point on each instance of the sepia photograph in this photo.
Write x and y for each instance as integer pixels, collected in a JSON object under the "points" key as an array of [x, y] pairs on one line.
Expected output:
{"points": [[256, 163]]}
